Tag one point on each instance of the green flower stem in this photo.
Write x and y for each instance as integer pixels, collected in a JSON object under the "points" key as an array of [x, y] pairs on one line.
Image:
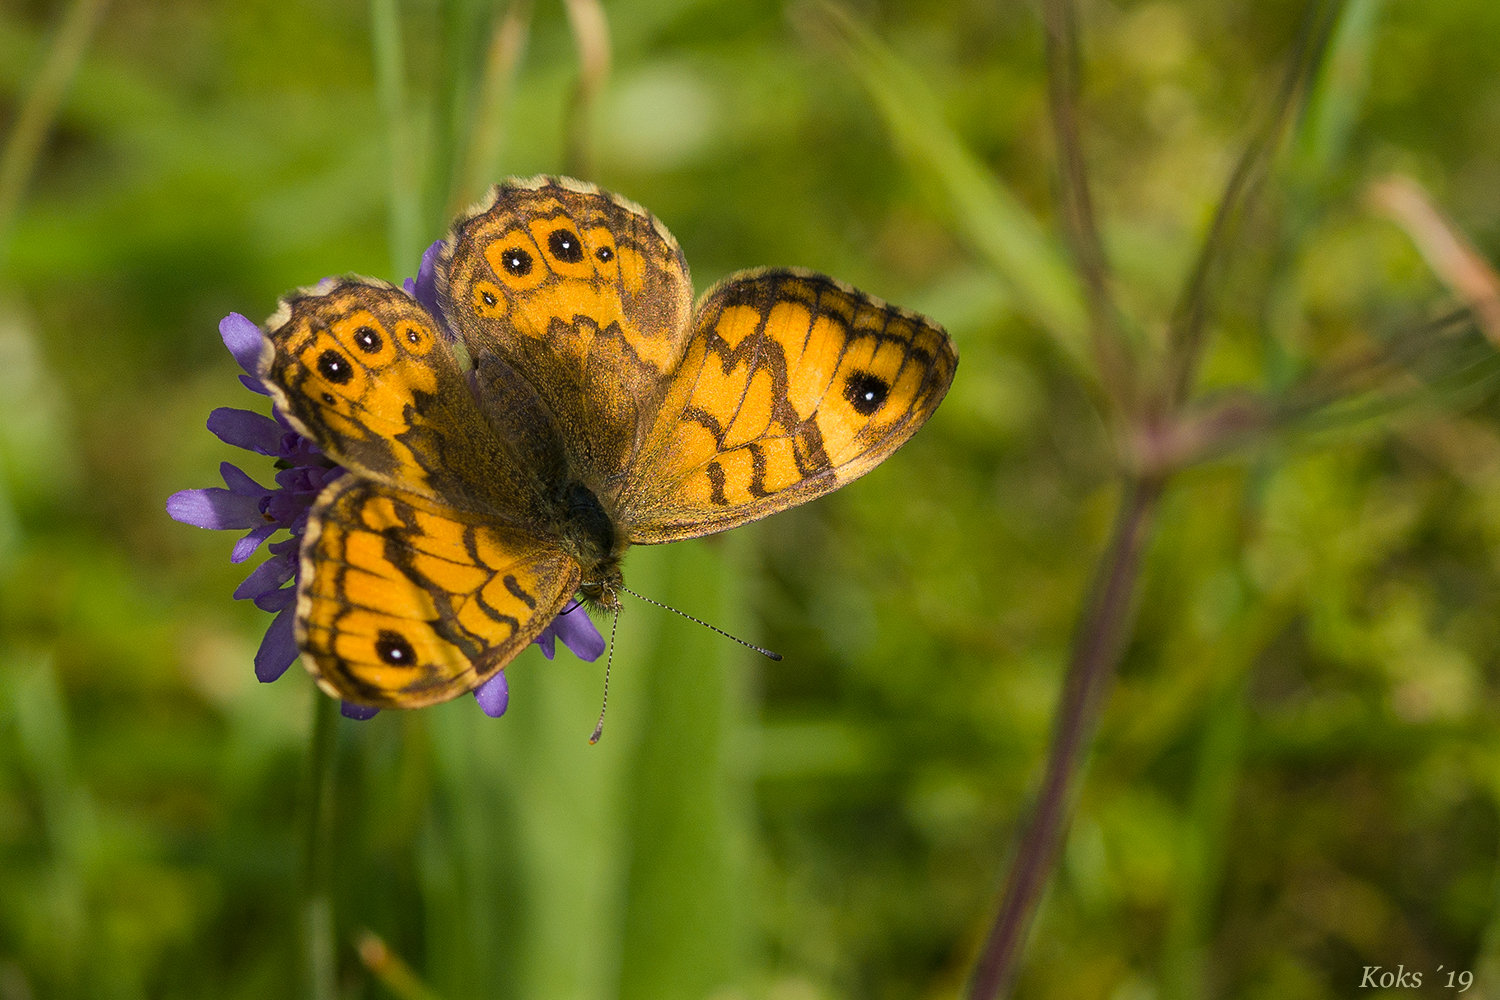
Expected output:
{"points": [[39, 110], [317, 905], [1108, 619]]}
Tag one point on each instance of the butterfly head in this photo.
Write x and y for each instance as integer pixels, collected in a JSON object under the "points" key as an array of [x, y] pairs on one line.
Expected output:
{"points": [[602, 585]]}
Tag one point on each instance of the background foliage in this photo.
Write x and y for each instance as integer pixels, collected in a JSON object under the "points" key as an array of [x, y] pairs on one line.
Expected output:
{"points": [[1298, 773]]}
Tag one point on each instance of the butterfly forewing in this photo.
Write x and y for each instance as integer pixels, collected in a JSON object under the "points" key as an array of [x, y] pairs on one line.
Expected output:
{"points": [[792, 385], [360, 366], [406, 602], [583, 295]]}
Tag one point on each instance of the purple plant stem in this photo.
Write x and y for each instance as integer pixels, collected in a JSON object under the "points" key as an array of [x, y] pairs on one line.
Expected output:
{"points": [[1105, 630], [1112, 354]]}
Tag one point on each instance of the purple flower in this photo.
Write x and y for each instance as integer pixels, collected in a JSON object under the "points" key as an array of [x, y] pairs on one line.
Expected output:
{"points": [[494, 695], [577, 632], [423, 287], [245, 503], [304, 471]]}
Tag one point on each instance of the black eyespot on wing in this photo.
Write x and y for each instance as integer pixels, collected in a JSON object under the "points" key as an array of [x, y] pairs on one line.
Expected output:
{"points": [[565, 246], [605, 255], [516, 261], [367, 339], [489, 298], [393, 648], [866, 392], [334, 367]]}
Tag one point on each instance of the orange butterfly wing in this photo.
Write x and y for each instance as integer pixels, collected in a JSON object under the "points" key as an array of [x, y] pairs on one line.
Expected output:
{"points": [[404, 602], [425, 568], [792, 385], [583, 297], [358, 366]]}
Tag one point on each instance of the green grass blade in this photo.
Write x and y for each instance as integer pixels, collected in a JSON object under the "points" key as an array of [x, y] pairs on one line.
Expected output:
{"points": [[1338, 93], [567, 808], [406, 192], [481, 165], [685, 922], [988, 215], [24, 144]]}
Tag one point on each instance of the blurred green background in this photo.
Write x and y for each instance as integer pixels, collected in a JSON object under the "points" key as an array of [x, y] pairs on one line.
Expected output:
{"points": [[1298, 773]]}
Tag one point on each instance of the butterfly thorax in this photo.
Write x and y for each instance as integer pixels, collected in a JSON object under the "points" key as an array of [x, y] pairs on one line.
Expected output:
{"points": [[588, 534]]}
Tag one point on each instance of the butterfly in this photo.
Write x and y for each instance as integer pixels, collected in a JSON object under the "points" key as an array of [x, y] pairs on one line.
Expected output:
{"points": [[568, 401]]}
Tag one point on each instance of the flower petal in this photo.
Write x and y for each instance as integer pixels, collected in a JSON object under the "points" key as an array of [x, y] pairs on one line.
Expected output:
{"points": [[576, 630], [243, 339], [286, 547], [240, 482], [493, 695], [245, 547], [254, 385], [276, 600], [548, 640], [268, 576], [278, 649], [349, 710], [214, 507], [246, 429], [424, 289]]}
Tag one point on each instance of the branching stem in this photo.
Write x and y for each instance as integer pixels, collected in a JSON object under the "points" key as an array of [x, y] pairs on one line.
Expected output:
{"points": [[1107, 622]]}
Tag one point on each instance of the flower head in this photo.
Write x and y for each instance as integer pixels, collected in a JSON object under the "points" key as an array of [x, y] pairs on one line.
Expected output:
{"points": [[245, 503], [303, 472]]}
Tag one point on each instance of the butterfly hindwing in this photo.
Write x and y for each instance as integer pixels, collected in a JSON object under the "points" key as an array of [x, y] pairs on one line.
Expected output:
{"points": [[362, 369], [405, 602], [792, 385], [581, 294]]}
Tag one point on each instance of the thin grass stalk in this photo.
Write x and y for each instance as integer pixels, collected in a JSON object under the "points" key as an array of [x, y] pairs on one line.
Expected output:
{"points": [[591, 36], [481, 164], [1186, 333], [319, 957], [393, 973], [1447, 251], [1106, 625], [39, 110], [390, 81], [1111, 354], [986, 213]]}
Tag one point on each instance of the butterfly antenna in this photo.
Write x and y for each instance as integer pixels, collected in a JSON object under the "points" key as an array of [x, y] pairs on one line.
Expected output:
{"points": [[748, 645], [599, 729]]}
